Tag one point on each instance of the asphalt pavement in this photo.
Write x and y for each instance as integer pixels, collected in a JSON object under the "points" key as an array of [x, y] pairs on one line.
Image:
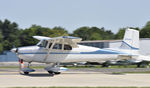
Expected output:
{"points": [[10, 77]]}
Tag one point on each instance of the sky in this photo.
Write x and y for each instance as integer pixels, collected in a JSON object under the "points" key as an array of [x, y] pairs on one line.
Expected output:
{"points": [[72, 14]]}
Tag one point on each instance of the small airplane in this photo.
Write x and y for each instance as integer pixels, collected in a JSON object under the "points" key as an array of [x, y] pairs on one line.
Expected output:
{"points": [[65, 49]]}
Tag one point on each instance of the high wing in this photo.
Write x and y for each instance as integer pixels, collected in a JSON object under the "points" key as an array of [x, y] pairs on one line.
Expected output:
{"points": [[41, 37], [66, 40], [61, 40]]}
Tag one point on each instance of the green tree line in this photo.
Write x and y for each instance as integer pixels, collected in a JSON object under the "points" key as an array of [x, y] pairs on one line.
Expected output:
{"points": [[11, 35]]}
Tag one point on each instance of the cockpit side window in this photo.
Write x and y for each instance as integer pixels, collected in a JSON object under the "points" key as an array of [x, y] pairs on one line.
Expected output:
{"points": [[57, 46], [67, 47]]}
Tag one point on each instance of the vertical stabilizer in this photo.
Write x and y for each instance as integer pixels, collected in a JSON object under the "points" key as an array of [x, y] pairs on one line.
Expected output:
{"points": [[130, 40]]}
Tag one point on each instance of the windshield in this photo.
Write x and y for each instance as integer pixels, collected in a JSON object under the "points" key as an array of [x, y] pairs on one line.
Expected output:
{"points": [[43, 43]]}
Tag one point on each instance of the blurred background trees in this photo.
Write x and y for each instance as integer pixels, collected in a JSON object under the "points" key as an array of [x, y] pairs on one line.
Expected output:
{"points": [[11, 35], [145, 31], [93, 33]]}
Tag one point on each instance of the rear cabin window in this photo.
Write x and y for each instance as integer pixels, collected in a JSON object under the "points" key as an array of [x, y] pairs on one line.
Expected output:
{"points": [[57, 46], [67, 47]]}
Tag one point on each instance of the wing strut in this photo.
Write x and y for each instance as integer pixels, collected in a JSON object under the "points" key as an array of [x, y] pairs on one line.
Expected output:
{"points": [[49, 50]]}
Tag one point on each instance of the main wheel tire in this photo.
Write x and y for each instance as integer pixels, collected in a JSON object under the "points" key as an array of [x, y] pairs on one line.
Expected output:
{"points": [[57, 73], [51, 73], [26, 73]]}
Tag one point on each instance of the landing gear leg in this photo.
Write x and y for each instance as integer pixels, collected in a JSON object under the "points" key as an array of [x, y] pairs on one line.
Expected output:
{"points": [[21, 65], [57, 65]]}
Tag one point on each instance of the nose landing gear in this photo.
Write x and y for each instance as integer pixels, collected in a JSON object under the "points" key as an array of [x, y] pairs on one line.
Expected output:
{"points": [[23, 68]]}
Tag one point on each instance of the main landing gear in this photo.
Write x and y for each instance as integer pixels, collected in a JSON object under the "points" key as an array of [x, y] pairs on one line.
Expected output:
{"points": [[55, 69], [53, 73]]}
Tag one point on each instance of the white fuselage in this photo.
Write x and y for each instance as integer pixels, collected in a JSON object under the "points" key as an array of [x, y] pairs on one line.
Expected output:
{"points": [[66, 49], [79, 54]]}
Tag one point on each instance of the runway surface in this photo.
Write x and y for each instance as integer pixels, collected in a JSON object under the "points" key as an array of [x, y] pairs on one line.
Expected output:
{"points": [[11, 78]]}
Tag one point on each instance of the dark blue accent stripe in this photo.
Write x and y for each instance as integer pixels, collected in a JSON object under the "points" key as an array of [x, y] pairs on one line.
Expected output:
{"points": [[130, 46]]}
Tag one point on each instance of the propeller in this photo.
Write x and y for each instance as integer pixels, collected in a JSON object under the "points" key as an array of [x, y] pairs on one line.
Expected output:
{"points": [[21, 63]]}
